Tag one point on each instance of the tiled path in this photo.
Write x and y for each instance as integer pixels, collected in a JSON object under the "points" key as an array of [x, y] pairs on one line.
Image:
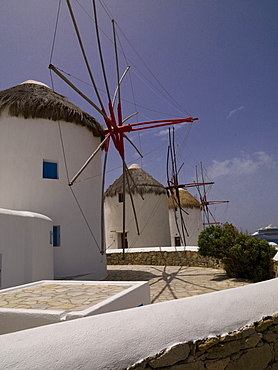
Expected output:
{"points": [[172, 282], [166, 283], [58, 296]]}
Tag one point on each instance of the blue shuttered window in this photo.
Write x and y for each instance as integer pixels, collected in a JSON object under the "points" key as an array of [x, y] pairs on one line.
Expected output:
{"points": [[50, 170], [56, 236]]}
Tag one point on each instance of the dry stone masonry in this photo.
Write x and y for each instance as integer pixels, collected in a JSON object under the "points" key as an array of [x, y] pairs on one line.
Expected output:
{"points": [[251, 348], [169, 258], [164, 258]]}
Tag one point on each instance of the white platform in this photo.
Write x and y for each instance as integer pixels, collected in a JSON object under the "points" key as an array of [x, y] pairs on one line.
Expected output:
{"points": [[51, 301]]}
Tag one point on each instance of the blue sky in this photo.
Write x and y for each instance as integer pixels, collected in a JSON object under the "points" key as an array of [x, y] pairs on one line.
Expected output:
{"points": [[215, 60]]}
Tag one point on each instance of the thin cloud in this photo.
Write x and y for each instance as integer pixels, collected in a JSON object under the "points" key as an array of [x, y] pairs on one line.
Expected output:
{"points": [[162, 132], [243, 165], [234, 111], [165, 131]]}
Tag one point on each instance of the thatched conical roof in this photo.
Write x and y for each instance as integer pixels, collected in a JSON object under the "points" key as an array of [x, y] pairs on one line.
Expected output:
{"points": [[139, 182], [36, 100], [186, 200]]}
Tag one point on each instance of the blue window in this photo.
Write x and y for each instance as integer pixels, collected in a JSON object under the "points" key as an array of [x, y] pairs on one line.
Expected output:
{"points": [[56, 236], [50, 170]]}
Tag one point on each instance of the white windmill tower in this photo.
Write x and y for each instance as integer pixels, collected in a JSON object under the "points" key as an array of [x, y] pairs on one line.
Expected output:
{"points": [[149, 225], [44, 139]]}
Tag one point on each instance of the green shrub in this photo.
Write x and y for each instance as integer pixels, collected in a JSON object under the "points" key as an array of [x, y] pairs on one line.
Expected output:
{"points": [[215, 241], [242, 256]]}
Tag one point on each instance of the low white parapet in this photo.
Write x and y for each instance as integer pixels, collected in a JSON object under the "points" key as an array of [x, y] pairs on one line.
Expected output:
{"points": [[117, 340], [154, 249], [51, 301]]}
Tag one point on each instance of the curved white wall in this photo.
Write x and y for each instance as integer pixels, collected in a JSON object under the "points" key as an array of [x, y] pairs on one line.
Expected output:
{"points": [[24, 144], [117, 340], [25, 249], [152, 215], [193, 222]]}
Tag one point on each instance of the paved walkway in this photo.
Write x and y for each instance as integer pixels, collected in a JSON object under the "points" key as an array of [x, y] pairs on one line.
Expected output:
{"points": [[166, 283], [173, 282], [66, 297]]}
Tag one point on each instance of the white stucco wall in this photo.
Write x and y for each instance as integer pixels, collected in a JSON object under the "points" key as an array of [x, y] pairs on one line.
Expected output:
{"points": [[24, 144], [152, 215], [119, 339], [193, 222], [25, 249]]}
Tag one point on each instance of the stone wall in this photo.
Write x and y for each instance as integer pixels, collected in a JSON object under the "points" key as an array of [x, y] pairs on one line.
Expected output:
{"points": [[275, 268], [162, 258], [168, 258], [251, 348]]}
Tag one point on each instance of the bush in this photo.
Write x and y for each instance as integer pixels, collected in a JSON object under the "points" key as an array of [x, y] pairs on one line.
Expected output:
{"points": [[215, 241], [243, 256]]}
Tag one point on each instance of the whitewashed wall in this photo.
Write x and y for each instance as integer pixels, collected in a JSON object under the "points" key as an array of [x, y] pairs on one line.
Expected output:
{"points": [[152, 214], [24, 144], [193, 222], [116, 340], [25, 249]]}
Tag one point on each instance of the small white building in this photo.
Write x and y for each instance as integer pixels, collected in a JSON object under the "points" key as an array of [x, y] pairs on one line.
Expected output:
{"points": [[44, 141], [151, 211], [26, 253], [190, 213]]}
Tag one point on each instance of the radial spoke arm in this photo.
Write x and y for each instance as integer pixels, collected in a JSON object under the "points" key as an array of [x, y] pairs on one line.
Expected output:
{"points": [[137, 150], [100, 52], [83, 52], [124, 208], [132, 115], [88, 161], [58, 73], [118, 86], [152, 124], [102, 249], [134, 183], [132, 203]]}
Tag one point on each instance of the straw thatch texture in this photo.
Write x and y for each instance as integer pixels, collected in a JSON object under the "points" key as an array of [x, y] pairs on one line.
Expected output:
{"points": [[186, 200], [31, 100], [145, 183]]}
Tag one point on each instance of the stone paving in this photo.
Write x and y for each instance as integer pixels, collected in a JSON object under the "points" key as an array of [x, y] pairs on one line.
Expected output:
{"points": [[166, 283], [66, 297], [173, 282]]}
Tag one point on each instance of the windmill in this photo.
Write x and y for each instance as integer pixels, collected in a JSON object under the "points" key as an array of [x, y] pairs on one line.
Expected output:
{"points": [[116, 127], [208, 217], [174, 187]]}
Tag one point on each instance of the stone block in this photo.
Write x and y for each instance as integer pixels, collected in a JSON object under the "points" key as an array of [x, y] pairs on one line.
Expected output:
{"points": [[224, 350], [232, 336], [251, 341], [273, 366], [198, 365], [263, 325], [253, 359], [276, 350], [218, 365], [236, 355], [270, 337], [208, 344], [246, 332], [171, 356]]}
